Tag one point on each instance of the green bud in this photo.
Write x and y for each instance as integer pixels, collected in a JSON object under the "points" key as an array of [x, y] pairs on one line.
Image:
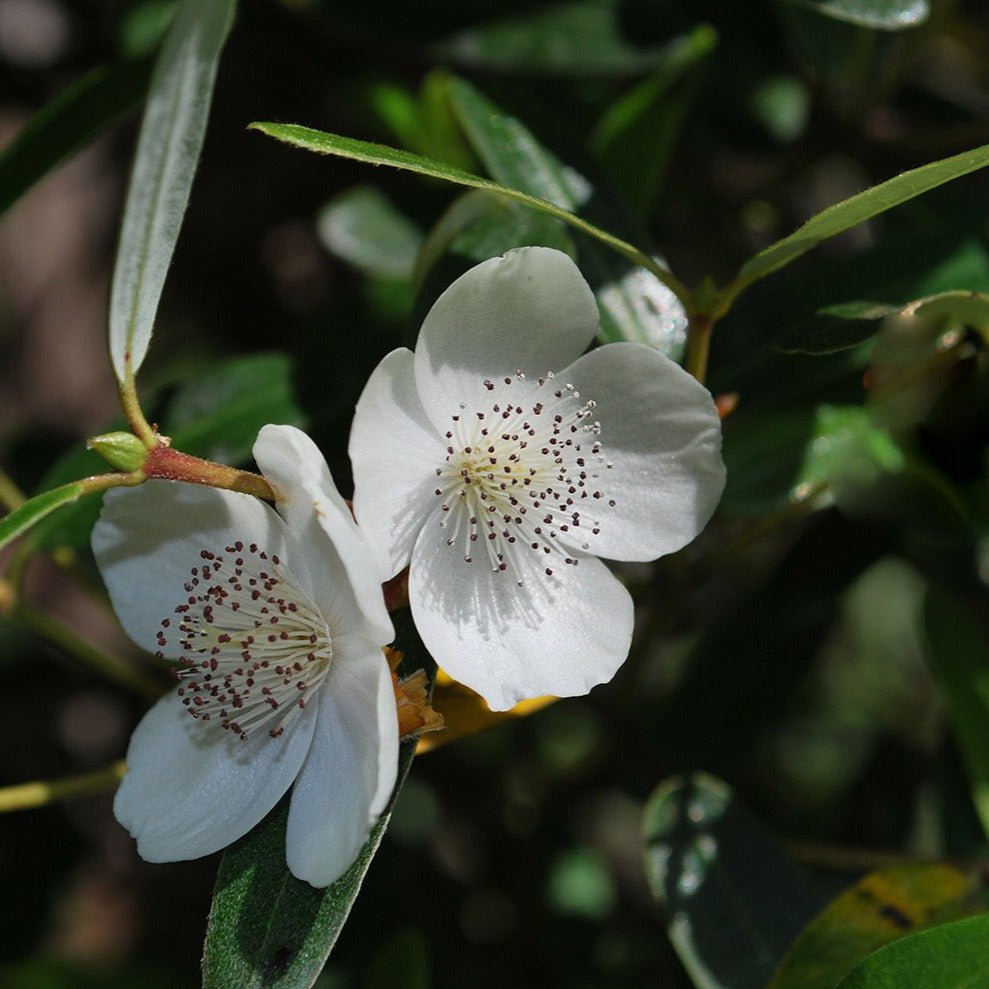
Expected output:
{"points": [[124, 451]]}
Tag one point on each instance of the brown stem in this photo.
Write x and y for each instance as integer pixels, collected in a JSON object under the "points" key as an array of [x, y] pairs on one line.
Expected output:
{"points": [[168, 464]]}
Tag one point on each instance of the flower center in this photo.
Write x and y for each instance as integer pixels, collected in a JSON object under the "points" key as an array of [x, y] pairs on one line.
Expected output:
{"points": [[521, 471], [254, 646]]}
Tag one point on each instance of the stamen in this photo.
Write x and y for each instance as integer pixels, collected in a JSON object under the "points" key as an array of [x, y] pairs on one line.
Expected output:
{"points": [[518, 485], [255, 648]]}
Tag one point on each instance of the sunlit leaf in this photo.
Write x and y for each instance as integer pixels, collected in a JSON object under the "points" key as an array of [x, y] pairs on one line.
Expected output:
{"points": [[733, 902], [165, 162], [880, 908], [379, 154], [883, 15], [951, 956], [850, 212], [635, 305], [69, 122]]}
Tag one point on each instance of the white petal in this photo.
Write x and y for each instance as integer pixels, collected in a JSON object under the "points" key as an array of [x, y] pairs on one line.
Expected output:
{"points": [[394, 452], [350, 771], [343, 570], [148, 539], [556, 635], [661, 431], [191, 788], [530, 310]]}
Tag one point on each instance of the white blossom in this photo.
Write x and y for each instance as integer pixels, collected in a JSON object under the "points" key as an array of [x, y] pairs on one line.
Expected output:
{"points": [[499, 464], [275, 622]]}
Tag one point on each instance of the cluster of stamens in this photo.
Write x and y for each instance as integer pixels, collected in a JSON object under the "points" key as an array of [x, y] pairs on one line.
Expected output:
{"points": [[254, 646], [522, 471]]}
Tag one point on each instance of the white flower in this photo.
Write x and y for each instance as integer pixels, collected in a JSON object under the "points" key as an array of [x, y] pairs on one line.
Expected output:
{"points": [[502, 482], [277, 623]]}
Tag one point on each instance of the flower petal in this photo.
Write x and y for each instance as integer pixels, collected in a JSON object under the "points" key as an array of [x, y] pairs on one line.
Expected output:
{"points": [[343, 571], [148, 539], [530, 310], [350, 771], [661, 431], [191, 788], [394, 451], [559, 634]]}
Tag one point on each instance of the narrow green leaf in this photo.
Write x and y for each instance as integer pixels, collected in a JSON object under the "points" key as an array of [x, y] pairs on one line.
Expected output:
{"points": [[635, 304], [33, 510], [879, 909], [269, 930], [951, 956], [882, 15], [69, 122], [733, 901], [167, 151], [847, 324], [850, 212], [958, 655], [378, 154], [643, 125]]}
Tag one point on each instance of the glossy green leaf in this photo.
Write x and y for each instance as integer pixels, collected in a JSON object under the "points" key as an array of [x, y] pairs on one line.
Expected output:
{"points": [[362, 227], [635, 305], [733, 902], [379, 154], [22, 518], [165, 162], [882, 15], [850, 212], [269, 930], [958, 655], [880, 908], [69, 122], [951, 956], [643, 125]]}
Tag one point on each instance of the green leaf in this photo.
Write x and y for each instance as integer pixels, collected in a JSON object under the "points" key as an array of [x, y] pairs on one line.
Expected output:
{"points": [[880, 908], [850, 212], [215, 415], [17, 522], [69, 122], [582, 37], [218, 414], [363, 228], [269, 930], [635, 305], [882, 15], [643, 125], [378, 154], [167, 152], [958, 655], [848, 324], [951, 956], [733, 901]]}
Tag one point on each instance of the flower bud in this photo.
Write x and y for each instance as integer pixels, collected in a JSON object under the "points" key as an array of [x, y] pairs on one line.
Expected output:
{"points": [[121, 450]]}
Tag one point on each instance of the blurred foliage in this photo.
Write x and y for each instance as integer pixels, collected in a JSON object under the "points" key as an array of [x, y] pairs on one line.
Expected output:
{"points": [[821, 648]]}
